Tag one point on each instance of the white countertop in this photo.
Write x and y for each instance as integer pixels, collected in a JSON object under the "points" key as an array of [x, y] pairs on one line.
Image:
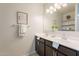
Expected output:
{"points": [[73, 44]]}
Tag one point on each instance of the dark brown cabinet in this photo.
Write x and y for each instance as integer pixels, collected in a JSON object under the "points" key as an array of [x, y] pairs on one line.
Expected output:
{"points": [[44, 48], [67, 51], [60, 54], [48, 51], [39, 46], [41, 49]]}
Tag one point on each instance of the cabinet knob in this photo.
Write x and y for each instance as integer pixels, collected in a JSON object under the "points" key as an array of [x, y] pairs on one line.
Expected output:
{"points": [[38, 38]]}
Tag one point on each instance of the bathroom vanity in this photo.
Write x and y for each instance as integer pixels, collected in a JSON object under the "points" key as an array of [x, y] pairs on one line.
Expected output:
{"points": [[43, 47], [65, 19]]}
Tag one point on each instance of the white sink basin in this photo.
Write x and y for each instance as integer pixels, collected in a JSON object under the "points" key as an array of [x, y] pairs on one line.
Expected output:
{"points": [[56, 39]]}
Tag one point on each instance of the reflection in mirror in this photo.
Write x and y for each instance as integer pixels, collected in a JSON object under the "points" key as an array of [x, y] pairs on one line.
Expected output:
{"points": [[59, 17]]}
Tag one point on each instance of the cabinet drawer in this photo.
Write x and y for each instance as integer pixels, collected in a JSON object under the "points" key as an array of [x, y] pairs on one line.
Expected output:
{"points": [[77, 53], [67, 51], [48, 43]]}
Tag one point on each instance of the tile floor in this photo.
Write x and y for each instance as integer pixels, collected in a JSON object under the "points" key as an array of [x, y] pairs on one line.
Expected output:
{"points": [[34, 54]]}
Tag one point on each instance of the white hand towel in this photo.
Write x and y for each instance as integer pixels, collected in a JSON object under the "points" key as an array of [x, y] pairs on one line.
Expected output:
{"points": [[22, 29], [55, 45]]}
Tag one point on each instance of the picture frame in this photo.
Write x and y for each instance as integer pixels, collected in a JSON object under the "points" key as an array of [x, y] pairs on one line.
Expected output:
{"points": [[22, 18]]}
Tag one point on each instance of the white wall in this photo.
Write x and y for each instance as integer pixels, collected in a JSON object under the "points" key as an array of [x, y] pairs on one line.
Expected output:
{"points": [[10, 44]]}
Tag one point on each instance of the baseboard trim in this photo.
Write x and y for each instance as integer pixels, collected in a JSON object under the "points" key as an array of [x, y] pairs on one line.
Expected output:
{"points": [[32, 53], [29, 54]]}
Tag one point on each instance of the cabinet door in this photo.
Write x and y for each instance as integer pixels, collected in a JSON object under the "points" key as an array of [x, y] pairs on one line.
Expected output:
{"points": [[60, 54], [77, 53], [37, 46], [54, 52], [67, 51], [41, 49], [48, 51]]}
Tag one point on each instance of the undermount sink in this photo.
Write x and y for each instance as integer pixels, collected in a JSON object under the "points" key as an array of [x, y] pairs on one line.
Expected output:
{"points": [[56, 39]]}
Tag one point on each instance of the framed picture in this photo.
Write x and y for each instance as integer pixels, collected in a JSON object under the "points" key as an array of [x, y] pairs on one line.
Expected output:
{"points": [[22, 18]]}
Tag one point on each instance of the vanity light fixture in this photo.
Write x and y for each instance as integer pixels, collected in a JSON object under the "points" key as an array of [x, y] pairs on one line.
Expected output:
{"points": [[54, 8]]}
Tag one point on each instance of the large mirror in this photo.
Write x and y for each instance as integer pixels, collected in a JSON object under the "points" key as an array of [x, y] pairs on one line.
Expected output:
{"points": [[59, 17]]}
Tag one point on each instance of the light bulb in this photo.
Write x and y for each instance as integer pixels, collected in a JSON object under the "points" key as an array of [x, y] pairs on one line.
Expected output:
{"points": [[51, 12], [54, 9], [64, 5], [47, 10], [51, 7], [57, 6]]}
